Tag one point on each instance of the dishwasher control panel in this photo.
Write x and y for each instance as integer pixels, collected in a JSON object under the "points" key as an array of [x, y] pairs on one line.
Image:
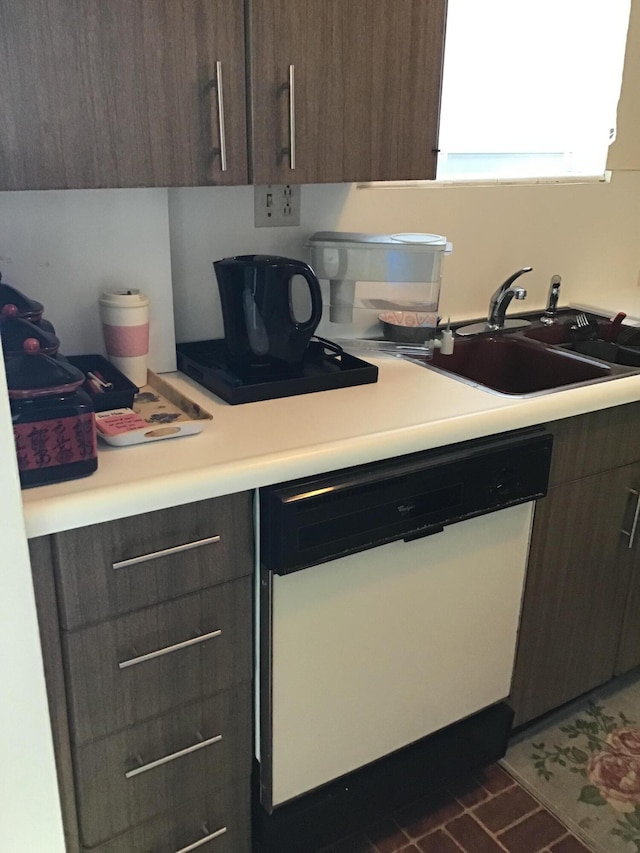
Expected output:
{"points": [[316, 519]]}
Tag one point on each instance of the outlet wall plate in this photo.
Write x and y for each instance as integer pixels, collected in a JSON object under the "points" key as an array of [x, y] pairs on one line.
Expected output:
{"points": [[277, 205]]}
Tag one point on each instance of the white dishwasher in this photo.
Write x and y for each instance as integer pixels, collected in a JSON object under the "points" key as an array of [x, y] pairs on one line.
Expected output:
{"points": [[389, 604]]}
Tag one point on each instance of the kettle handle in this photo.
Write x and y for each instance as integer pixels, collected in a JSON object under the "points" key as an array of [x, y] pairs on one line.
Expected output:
{"points": [[316, 295]]}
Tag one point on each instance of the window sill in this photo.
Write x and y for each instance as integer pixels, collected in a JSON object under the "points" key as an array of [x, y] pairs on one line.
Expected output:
{"points": [[487, 182]]}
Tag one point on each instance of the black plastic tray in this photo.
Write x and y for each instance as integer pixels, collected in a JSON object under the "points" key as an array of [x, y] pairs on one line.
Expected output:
{"points": [[121, 397], [206, 362]]}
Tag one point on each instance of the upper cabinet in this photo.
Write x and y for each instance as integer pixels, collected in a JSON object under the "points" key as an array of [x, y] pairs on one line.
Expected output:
{"points": [[345, 90], [122, 93], [153, 93]]}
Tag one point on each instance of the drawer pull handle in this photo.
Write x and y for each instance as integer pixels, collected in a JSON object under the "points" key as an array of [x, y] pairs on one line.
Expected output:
{"points": [[209, 837], [166, 552], [292, 117], [221, 121], [168, 649], [167, 758], [636, 515]]}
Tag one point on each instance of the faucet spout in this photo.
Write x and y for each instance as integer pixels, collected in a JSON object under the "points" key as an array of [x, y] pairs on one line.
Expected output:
{"points": [[512, 278]]}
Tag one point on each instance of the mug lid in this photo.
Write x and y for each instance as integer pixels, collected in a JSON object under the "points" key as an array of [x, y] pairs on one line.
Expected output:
{"points": [[126, 298]]}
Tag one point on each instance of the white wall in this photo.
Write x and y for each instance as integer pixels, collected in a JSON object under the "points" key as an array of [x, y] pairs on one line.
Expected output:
{"points": [[625, 151], [29, 807], [64, 248], [588, 233]]}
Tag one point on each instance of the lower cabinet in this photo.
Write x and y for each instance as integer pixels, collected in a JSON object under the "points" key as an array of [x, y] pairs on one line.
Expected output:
{"points": [[151, 694], [580, 622], [214, 824], [628, 655]]}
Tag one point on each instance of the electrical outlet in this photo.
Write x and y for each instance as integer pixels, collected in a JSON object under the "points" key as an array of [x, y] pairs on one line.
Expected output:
{"points": [[277, 205]]}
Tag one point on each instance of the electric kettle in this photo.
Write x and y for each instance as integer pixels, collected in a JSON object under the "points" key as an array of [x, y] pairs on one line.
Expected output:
{"points": [[258, 294]]}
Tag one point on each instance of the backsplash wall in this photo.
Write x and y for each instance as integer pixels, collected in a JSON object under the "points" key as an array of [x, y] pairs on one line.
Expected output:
{"points": [[64, 248], [587, 233]]}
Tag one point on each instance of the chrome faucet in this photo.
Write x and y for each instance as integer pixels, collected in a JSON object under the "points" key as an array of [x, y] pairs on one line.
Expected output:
{"points": [[550, 315], [502, 297], [497, 307]]}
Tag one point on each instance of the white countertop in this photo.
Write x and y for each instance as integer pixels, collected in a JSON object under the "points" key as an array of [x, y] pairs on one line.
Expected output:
{"points": [[410, 408]]}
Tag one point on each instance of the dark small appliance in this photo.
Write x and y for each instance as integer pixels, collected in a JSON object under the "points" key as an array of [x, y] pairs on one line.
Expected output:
{"points": [[263, 334], [268, 350]]}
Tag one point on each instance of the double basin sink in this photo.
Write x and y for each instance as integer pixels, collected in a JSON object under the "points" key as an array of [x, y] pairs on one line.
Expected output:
{"points": [[539, 359]]}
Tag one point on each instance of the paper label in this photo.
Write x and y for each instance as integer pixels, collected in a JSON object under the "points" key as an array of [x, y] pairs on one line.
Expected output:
{"points": [[116, 421]]}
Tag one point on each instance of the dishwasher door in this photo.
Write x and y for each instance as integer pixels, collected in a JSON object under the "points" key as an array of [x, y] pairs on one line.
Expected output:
{"points": [[370, 652]]}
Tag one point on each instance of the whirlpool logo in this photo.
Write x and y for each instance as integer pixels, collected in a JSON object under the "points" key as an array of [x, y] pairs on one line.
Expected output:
{"points": [[403, 509]]}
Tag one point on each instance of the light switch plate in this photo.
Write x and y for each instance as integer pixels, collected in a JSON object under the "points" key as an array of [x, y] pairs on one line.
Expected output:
{"points": [[277, 205]]}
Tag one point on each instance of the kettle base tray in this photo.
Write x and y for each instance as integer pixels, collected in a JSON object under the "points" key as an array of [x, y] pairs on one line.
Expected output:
{"points": [[206, 362]]}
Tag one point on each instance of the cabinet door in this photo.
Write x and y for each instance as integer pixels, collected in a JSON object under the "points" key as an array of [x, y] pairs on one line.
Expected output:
{"points": [[162, 764], [575, 592], [364, 104], [121, 93], [629, 647]]}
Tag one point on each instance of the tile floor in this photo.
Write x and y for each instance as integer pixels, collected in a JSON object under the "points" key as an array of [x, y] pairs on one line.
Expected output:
{"points": [[488, 814]]}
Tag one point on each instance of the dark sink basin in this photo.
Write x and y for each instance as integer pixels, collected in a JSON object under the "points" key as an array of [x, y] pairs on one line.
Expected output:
{"points": [[606, 351], [517, 365], [566, 336]]}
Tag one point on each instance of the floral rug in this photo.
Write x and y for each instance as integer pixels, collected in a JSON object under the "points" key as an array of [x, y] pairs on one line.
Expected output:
{"points": [[584, 765]]}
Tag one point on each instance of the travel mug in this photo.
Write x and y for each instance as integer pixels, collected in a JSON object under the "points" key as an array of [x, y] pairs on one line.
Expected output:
{"points": [[125, 325]]}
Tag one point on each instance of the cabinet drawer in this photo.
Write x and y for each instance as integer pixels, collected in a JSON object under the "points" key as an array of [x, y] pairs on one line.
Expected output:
{"points": [[594, 442], [107, 569], [223, 818], [145, 663], [162, 764]]}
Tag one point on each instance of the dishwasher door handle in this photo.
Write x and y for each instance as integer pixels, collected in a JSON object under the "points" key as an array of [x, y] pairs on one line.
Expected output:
{"points": [[421, 534]]}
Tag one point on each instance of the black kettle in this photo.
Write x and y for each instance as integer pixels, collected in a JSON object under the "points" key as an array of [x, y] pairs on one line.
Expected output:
{"points": [[262, 333]]}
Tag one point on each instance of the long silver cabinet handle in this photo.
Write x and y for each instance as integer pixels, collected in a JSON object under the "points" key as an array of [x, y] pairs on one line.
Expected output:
{"points": [[292, 116], [202, 841], [201, 638], [221, 122], [167, 758], [634, 526], [166, 552]]}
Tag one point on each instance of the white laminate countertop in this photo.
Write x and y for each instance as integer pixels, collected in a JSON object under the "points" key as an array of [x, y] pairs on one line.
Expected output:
{"points": [[410, 408]]}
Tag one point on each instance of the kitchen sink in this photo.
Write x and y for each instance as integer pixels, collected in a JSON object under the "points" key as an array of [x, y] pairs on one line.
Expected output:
{"points": [[516, 365], [540, 359]]}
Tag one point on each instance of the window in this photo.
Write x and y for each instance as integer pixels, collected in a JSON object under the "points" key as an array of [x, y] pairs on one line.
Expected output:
{"points": [[530, 88]]}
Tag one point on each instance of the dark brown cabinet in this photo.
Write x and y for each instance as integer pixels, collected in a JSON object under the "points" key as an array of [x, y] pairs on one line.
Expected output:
{"points": [[122, 93], [628, 655], [146, 627], [581, 577], [153, 93], [345, 90]]}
